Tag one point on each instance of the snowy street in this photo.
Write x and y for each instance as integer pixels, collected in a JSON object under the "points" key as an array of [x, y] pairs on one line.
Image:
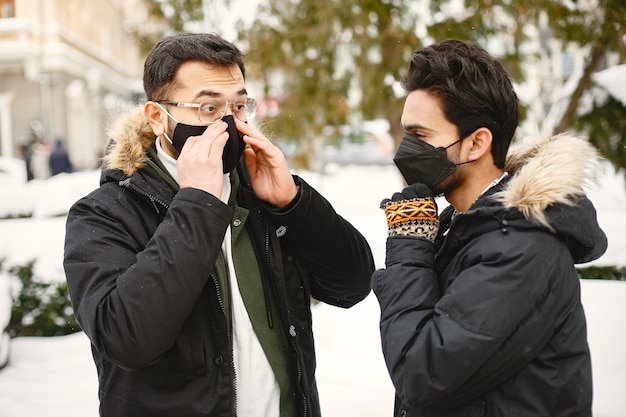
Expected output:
{"points": [[56, 376]]}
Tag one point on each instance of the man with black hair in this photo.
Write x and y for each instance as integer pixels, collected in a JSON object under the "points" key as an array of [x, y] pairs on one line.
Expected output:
{"points": [[480, 305]]}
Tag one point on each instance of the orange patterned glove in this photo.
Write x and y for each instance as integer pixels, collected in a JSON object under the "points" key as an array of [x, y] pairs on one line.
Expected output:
{"points": [[413, 212]]}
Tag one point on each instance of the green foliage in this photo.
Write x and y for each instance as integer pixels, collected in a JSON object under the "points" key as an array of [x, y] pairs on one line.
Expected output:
{"points": [[324, 52], [606, 127], [603, 272], [166, 17], [41, 309]]}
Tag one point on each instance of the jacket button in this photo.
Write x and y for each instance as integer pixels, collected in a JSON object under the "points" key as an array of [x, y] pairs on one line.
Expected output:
{"points": [[237, 222], [403, 413], [292, 330], [218, 360]]}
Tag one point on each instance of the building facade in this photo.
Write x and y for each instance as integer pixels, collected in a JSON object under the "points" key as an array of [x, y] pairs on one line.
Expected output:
{"points": [[66, 67]]}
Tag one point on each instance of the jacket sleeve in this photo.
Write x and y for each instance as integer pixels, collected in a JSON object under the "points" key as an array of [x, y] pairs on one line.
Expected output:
{"points": [[130, 297], [445, 347], [336, 255]]}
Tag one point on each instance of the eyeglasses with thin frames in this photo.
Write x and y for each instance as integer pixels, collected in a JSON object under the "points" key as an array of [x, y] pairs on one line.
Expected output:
{"points": [[212, 110]]}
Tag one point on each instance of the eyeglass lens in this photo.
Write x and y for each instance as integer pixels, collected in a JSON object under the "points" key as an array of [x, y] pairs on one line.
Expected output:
{"points": [[214, 109]]}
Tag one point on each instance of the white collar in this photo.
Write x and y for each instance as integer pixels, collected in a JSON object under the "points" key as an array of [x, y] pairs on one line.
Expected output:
{"points": [[168, 161], [495, 182]]}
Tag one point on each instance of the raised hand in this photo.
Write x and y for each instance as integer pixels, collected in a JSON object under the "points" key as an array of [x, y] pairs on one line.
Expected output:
{"points": [[413, 212], [199, 164], [270, 176]]}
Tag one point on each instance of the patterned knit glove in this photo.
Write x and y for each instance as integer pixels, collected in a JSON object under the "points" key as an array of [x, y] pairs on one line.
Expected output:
{"points": [[413, 212]]}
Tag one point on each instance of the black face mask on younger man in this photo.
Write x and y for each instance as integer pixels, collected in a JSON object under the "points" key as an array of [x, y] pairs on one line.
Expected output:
{"points": [[232, 150], [420, 162]]}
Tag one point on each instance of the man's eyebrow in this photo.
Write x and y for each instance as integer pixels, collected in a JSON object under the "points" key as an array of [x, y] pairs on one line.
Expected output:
{"points": [[416, 126], [211, 93]]}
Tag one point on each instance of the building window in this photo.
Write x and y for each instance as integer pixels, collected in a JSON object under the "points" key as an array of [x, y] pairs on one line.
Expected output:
{"points": [[7, 9]]}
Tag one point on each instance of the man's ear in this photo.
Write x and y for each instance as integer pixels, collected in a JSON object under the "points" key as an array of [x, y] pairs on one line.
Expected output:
{"points": [[481, 141], [154, 115]]}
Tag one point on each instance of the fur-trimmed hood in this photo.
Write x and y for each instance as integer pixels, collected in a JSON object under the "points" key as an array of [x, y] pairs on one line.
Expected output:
{"points": [[131, 136], [546, 189], [548, 172]]}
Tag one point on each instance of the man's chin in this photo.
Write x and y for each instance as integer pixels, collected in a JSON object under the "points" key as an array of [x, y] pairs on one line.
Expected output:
{"points": [[446, 186]]}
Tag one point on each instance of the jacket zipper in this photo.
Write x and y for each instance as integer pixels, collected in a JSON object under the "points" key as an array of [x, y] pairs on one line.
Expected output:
{"points": [[154, 200], [230, 341], [305, 404]]}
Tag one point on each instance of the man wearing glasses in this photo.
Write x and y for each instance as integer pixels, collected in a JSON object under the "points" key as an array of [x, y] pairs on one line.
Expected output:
{"points": [[191, 268]]}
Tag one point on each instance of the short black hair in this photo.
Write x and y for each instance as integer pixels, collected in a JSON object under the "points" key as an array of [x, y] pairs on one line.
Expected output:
{"points": [[168, 54], [474, 90]]}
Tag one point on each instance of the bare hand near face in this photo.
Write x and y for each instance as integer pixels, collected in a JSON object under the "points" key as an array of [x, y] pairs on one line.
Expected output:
{"points": [[269, 173], [199, 164]]}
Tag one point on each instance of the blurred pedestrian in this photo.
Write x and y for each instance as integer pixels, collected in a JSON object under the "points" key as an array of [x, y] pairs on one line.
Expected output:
{"points": [[480, 306], [27, 156], [40, 160], [59, 159]]}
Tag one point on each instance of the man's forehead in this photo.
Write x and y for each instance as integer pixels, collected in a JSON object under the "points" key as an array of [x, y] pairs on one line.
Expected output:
{"points": [[422, 111], [202, 79]]}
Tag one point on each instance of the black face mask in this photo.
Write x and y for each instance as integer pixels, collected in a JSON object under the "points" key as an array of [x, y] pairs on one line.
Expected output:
{"points": [[232, 150], [420, 162]]}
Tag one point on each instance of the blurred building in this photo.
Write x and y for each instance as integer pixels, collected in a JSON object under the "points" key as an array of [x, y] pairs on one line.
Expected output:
{"points": [[65, 67]]}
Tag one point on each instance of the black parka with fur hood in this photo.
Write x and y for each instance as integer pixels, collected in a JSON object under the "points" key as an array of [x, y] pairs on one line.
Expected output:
{"points": [[139, 261], [488, 321]]}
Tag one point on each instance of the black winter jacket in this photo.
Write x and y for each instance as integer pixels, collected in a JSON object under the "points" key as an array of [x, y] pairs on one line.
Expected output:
{"points": [[488, 321], [139, 259]]}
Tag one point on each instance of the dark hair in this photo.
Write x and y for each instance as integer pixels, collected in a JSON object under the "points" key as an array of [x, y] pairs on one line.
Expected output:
{"points": [[169, 53], [473, 88]]}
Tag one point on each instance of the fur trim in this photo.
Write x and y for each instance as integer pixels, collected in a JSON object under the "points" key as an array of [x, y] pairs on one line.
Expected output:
{"points": [[132, 136], [547, 172]]}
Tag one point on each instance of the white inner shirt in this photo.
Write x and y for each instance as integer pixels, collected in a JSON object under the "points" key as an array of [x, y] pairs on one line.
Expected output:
{"points": [[258, 393]]}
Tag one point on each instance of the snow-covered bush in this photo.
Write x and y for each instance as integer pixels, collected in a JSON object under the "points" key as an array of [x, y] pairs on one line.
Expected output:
{"points": [[38, 308]]}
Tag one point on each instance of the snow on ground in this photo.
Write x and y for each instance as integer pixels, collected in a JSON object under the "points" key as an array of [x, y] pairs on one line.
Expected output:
{"points": [[56, 377]]}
